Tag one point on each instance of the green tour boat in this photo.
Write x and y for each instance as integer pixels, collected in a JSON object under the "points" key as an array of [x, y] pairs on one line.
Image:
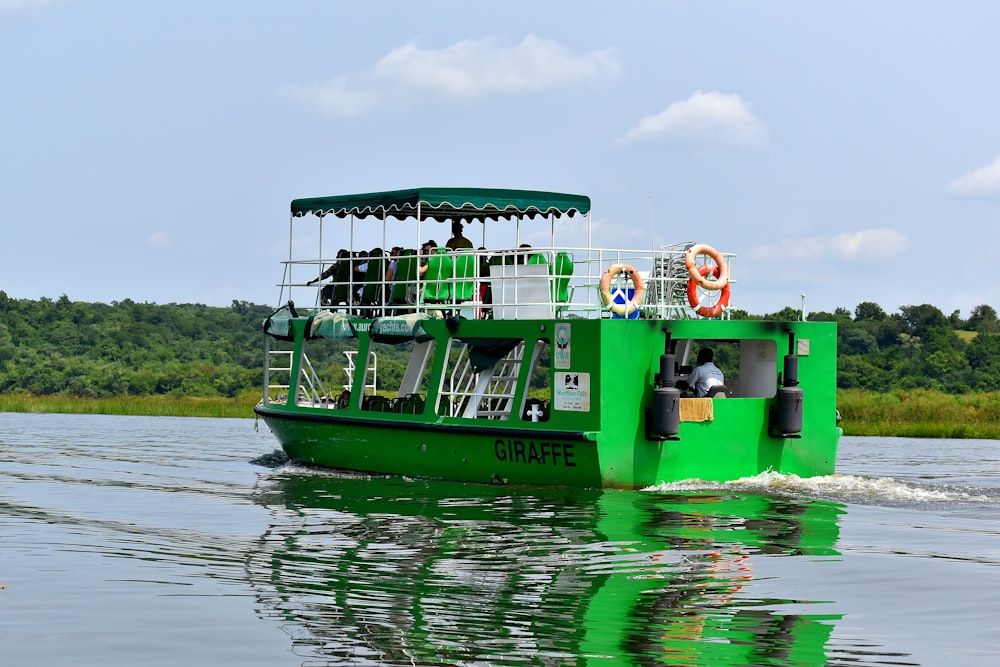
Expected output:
{"points": [[509, 363]]}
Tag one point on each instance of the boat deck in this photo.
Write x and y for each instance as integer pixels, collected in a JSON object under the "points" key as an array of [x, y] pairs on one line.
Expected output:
{"points": [[510, 283]]}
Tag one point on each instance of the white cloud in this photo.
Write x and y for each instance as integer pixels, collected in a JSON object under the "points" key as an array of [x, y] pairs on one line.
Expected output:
{"points": [[982, 181], [466, 69], [333, 97], [473, 68], [867, 245], [158, 239], [711, 117]]}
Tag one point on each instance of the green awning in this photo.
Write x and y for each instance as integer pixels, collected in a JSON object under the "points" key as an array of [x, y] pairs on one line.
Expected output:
{"points": [[445, 203]]}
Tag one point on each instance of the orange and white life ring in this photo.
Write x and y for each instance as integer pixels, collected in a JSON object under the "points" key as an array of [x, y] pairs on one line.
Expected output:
{"points": [[704, 310], [691, 255], [632, 304]]}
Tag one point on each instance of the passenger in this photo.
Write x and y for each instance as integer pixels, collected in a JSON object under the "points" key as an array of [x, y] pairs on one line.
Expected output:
{"points": [[426, 250], [360, 264], [390, 269], [521, 255], [457, 241], [706, 375], [360, 267], [332, 269], [326, 293], [485, 290], [366, 258]]}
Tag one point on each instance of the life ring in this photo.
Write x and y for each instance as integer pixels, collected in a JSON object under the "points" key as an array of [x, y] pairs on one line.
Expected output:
{"points": [[707, 311], [696, 275], [640, 290]]}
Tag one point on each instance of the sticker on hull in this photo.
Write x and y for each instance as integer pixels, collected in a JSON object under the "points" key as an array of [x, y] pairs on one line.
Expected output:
{"points": [[572, 392], [561, 359]]}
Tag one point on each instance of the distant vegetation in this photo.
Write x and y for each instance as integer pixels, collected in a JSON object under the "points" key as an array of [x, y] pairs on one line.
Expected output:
{"points": [[920, 413], [916, 372], [917, 348], [95, 350], [149, 406]]}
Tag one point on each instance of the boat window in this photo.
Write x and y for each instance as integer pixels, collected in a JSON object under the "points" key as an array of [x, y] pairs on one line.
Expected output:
{"points": [[480, 377], [397, 376], [536, 402], [326, 371], [750, 366], [758, 368]]}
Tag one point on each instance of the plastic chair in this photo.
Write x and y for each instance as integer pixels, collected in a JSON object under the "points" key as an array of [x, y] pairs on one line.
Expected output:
{"points": [[466, 266], [437, 278], [561, 270], [717, 391], [406, 275], [342, 284], [372, 293]]}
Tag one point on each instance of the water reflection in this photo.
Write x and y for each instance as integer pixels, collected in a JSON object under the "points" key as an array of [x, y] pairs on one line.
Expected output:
{"points": [[389, 571]]}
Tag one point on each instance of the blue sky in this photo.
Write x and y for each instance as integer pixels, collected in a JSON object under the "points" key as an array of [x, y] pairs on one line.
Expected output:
{"points": [[848, 151]]}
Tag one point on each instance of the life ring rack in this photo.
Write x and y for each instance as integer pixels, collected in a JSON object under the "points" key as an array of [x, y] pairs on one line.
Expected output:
{"points": [[699, 277], [632, 305]]}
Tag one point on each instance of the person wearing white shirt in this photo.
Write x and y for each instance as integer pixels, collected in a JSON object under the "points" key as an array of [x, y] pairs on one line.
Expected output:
{"points": [[707, 374]]}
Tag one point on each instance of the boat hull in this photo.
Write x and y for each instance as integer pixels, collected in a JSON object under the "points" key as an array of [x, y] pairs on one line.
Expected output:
{"points": [[597, 433], [471, 454], [509, 456]]}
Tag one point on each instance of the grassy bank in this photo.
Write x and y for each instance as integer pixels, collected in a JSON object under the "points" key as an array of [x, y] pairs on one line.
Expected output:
{"points": [[157, 406], [920, 413]]}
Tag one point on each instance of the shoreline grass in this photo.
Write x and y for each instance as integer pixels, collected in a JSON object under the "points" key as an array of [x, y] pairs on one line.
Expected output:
{"points": [[920, 413], [147, 406], [915, 413]]}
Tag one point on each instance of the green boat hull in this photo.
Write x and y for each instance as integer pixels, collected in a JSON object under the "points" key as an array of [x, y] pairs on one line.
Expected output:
{"points": [[594, 436]]}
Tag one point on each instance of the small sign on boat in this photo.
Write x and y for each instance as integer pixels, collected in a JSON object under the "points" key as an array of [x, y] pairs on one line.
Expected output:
{"points": [[572, 392], [562, 337]]}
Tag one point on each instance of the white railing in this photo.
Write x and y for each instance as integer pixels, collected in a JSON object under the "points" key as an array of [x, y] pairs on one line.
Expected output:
{"points": [[351, 366], [511, 283], [486, 394], [277, 367]]}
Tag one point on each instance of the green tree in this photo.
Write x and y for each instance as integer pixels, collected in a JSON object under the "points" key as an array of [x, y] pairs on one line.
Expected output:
{"points": [[857, 340], [868, 310], [918, 319], [983, 319]]}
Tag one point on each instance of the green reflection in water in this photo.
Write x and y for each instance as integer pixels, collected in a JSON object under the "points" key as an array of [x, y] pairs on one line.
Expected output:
{"points": [[388, 571]]}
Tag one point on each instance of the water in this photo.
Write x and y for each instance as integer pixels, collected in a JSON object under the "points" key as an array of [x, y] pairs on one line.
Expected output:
{"points": [[155, 541]]}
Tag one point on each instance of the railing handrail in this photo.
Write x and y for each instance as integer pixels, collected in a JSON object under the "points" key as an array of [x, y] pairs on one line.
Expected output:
{"points": [[661, 269]]}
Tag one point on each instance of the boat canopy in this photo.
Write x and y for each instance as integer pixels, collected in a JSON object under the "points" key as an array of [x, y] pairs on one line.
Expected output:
{"points": [[445, 204]]}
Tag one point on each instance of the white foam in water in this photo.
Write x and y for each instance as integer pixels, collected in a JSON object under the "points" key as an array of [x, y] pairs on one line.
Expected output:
{"points": [[847, 488], [295, 469], [843, 488]]}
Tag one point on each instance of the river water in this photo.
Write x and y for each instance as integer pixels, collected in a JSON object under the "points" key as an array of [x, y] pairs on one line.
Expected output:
{"points": [[179, 541]]}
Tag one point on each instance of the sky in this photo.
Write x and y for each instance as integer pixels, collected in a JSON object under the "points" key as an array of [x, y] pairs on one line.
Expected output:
{"points": [[848, 151]]}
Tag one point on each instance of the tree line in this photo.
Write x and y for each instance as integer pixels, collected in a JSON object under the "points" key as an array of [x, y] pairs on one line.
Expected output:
{"points": [[96, 350], [917, 348]]}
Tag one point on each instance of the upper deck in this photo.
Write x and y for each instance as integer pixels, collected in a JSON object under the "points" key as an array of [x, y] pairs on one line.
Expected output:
{"points": [[504, 283], [382, 267]]}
